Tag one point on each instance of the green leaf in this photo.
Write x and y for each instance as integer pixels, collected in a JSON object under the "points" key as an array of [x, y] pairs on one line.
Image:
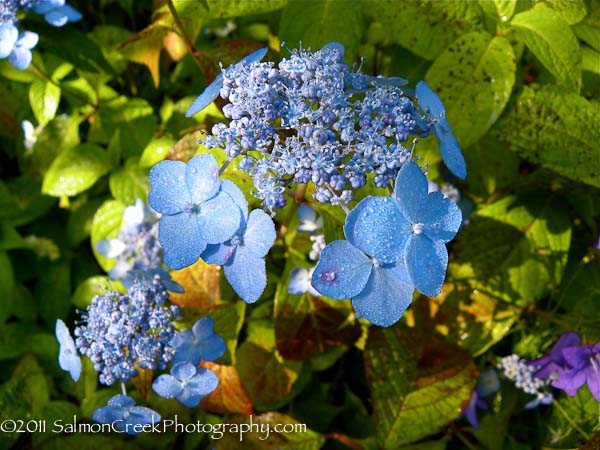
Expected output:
{"points": [[516, 248], [79, 225], [474, 77], [77, 441], [75, 170], [571, 11], [96, 285], [557, 130], [418, 383], [268, 378], [301, 439], [106, 224], [129, 183], [590, 60], [427, 27], [156, 150], [229, 319], [505, 8], [53, 290], [44, 98], [317, 23], [589, 34], [227, 9], [551, 40]]}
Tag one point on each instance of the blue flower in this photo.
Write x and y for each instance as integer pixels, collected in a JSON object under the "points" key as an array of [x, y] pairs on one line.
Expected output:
{"points": [[300, 282], [122, 412], [8, 38], [21, 56], [56, 12], [68, 358], [366, 267], [449, 148], [470, 411], [433, 220], [242, 257], [187, 383], [196, 210], [212, 90], [201, 343]]}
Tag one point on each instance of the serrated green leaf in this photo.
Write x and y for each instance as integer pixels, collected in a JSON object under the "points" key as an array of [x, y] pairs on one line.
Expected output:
{"points": [[556, 129], [426, 28], [129, 183], [317, 23], [551, 40], [515, 249], [75, 170], [418, 383], [474, 78], [44, 98], [106, 224]]}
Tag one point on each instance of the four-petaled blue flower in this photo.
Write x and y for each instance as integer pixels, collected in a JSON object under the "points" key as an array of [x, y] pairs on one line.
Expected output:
{"points": [[212, 90], [196, 210], [449, 148], [122, 412], [242, 257], [56, 12], [366, 267], [68, 358], [433, 220], [17, 47], [187, 383], [201, 343]]}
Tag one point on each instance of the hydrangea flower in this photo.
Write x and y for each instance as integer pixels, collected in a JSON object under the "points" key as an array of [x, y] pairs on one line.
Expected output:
{"points": [[300, 282], [242, 257], [433, 221], [554, 362], [122, 412], [56, 12], [21, 56], [212, 90], [583, 367], [449, 148], [199, 343], [366, 267], [187, 383], [68, 358], [120, 332], [136, 250], [196, 210], [487, 384]]}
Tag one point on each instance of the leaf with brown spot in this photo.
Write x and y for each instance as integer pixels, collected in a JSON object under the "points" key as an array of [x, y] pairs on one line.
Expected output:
{"points": [[201, 284], [230, 395], [145, 47]]}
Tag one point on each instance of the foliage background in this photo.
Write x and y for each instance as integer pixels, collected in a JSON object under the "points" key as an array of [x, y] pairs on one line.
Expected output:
{"points": [[521, 84]]}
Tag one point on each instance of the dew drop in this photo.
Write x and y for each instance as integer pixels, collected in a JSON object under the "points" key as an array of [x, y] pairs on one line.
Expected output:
{"points": [[328, 276]]}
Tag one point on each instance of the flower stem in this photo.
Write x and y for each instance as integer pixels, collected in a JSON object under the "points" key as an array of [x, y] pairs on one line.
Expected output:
{"points": [[123, 389]]}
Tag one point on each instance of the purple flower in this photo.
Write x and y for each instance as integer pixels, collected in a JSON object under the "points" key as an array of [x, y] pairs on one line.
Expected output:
{"points": [[471, 410], [554, 361], [584, 367]]}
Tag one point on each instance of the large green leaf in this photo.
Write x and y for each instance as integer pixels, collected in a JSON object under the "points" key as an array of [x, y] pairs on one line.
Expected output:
{"points": [[223, 9], [551, 40], [418, 383], [53, 291], [556, 129], [316, 23], [516, 248], [75, 170], [474, 77], [129, 183], [571, 11], [427, 27], [44, 98]]}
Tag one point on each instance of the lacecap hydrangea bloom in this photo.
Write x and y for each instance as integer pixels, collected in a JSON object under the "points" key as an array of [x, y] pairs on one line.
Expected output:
{"points": [[120, 332], [136, 249]]}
